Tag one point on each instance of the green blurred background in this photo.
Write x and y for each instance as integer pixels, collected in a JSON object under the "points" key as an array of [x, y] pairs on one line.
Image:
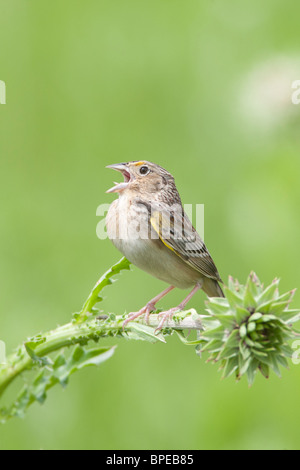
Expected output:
{"points": [[204, 89]]}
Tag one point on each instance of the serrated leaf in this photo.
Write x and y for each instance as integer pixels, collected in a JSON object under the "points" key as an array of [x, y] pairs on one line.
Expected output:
{"points": [[144, 332], [60, 360], [94, 298], [82, 358], [30, 349], [184, 339], [50, 376]]}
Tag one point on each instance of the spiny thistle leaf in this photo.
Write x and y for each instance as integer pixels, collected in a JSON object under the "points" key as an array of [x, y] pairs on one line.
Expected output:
{"points": [[144, 332], [254, 326], [94, 297], [58, 372]]}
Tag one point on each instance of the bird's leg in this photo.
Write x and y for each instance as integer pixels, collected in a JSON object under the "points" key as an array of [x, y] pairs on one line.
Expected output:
{"points": [[167, 315], [148, 308]]}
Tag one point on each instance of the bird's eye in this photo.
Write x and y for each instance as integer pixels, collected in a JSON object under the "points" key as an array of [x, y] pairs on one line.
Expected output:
{"points": [[144, 170]]}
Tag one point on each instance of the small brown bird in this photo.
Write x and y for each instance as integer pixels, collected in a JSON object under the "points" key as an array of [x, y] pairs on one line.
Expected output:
{"points": [[148, 225]]}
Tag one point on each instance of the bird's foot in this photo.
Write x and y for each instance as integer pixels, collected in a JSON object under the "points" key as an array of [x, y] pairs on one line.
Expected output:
{"points": [[165, 316], [144, 311]]}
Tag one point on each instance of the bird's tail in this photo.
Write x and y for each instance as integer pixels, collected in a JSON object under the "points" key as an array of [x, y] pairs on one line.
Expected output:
{"points": [[212, 288]]}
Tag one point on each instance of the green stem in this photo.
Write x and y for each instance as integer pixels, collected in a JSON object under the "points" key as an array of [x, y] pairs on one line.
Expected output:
{"points": [[80, 333]]}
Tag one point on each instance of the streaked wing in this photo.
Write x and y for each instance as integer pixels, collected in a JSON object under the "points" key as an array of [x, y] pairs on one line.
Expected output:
{"points": [[178, 234]]}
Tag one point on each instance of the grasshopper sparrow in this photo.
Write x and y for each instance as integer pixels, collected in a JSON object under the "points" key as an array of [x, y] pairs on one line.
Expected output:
{"points": [[148, 225]]}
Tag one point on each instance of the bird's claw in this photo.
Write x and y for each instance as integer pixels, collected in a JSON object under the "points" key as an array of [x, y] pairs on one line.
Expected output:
{"points": [[165, 316], [133, 315]]}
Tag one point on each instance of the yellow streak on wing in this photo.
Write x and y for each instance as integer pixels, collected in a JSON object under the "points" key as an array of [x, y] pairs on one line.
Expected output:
{"points": [[154, 221]]}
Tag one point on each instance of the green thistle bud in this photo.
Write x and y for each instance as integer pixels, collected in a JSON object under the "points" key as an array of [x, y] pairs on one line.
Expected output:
{"points": [[250, 329]]}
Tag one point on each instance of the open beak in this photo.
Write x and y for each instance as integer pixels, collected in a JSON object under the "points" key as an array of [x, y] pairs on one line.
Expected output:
{"points": [[122, 167]]}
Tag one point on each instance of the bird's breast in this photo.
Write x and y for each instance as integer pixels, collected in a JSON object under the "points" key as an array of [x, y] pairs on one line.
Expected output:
{"points": [[127, 220], [129, 229]]}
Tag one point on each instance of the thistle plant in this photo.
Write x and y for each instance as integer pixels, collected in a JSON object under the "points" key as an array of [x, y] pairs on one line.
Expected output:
{"points": [[248, 330]]}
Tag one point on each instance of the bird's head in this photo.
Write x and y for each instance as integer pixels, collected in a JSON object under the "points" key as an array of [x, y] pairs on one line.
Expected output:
{"points": [[143, 178]]}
